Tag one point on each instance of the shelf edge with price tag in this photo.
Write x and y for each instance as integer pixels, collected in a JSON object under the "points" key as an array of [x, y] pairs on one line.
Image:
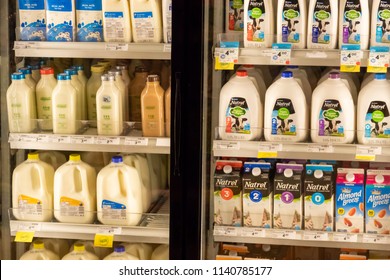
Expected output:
{"points": [[269, 150], [378, 60], [226, 55], [281, 54], [350, 58], [367, 153]]}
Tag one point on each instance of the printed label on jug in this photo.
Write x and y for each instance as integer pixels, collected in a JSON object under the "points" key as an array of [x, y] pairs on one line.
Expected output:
{"points": [[291, 22], [256, 17], [322, 22], [32, 18], [144, 26], [89, 21], [382, 34], [377, 123], [71, 207], [115, 25], [283, 118], [60, 21], [331, 119], [238, 116], [236, 15], [352, 20], [113, 210], [29, 205]]}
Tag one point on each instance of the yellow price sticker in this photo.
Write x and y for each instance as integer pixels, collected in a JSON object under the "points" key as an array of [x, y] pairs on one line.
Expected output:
{"points": [[24, 236], [103, 240], [223, 65], [365, 157], [269, 154]]}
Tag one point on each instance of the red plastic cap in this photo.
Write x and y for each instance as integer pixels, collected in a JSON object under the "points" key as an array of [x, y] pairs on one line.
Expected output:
{"points": [[242, 73], [47, 71]]}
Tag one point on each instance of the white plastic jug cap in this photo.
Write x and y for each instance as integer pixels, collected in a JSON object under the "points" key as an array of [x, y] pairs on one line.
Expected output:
{"points": [[256, 171], [74, 157], [227, 169], [34, 156], [79, 247], [38, 245], [379, 178], [288, 173], [350, 177], [318, 174]]}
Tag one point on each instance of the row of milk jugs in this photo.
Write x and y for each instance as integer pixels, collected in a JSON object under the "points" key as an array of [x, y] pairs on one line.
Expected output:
{"points": [[289, 111], [61, 104], [120, 193]]}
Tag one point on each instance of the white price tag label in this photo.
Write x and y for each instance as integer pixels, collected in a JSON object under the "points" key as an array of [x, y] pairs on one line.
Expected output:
{"points": [[367, 152], [167, 48], [82, 140], [345, 237], [253, 232], [24, 45], [117, 47], [313, 148], [376, 238], [110, 230], [28, 138], [227, 55], [312, 235], [350, 58], [59, 139], [13, 137], [285, 234], [30, 227], [227, 145], [163, 142], [136, 141], [107, 140], [230, 231], [281, 54], [42, 138]]}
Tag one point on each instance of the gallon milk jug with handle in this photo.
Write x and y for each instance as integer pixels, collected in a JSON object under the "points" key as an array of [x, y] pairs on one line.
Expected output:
{"points": [[119, 194], [79, 253], [100, 252], [154, 164], [116, 21], [39, 253], [58, 246], [120, 254], [141, 251], [32, 199], [161, 252], [380, 25], [75, 192], [44, 91], [54, 158]]}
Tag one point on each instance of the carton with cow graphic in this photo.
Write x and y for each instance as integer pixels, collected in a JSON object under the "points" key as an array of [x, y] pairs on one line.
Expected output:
{"points": [[235, 16]]}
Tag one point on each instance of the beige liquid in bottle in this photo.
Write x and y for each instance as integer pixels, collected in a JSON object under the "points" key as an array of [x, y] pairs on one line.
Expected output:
{"points": [[136, 88]]}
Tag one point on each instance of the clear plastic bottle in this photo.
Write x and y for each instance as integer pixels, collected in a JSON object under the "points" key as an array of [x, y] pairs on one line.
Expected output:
{"points": [[44, 92], [93, 85]]}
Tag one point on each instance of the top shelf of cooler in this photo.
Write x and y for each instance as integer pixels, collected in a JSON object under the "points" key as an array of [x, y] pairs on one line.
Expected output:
{"points": [[93, 50]]}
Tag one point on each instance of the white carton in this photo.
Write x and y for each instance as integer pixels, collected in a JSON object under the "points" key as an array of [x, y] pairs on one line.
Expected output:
{"points": [[89, 21], [32, 20]]}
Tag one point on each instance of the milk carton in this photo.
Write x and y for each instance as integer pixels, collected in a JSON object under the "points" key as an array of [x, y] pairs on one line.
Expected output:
{"points": [[228, 193], [235, 16], [377, 206], [167, 20], [32, 20], [89, 21], [288, 202], [61, 19], [257, 194], [319, 197], [350, 200]]}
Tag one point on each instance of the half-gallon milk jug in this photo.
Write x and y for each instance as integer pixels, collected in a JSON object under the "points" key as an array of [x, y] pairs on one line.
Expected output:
{"points": [[39, 253], [354, 23], [54, 158], [322, 24], [21, 105], [240, 109], [141, 251], [100, 252], [136, 87], [32, 199], [61, 20], [64, 106], [167, 20], [380, 23], [373, 117], [116, 21], [32, 19], [146, 21], [28, 76], [167, 107], [120, 254], [89, 21], [35, 72], [44, 91], [234, 16], [93, 84], [120, 84], [291, 22], [286, 116], [332, 112], [258, 24], [79, 253], [83, 80], [78, 86], [161, 252], [152, 108], [154, 163], [109, 107], [119, 194], [75, 192], [58, 246]]}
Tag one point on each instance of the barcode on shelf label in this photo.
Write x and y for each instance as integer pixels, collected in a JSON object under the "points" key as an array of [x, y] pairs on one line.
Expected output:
{"points": [[30, 227], [376, 238], [163, 142], [345, 237], [110, 230], [367, 152], [167, 48], [308, 235], [136, 141], [107, 140], [285, 234], [253, 232], [227, 145], [59, 139], [24, 45], [82, 140], [117, 47], [320, 148]]}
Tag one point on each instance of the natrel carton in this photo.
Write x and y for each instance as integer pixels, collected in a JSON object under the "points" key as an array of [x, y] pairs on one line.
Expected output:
{"points": [[228, 193], [350, 200], [319, 197], [378, 201], [257, 194], [288, 202]]}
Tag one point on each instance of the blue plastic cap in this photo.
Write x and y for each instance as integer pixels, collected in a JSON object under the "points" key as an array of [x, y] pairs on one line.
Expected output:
{"points": [[63, 77], [78, 67], [292, 67], [17, 76], [25, 70], [119, 249], [117, 159], [287, 74], [34, 67], [380, 76], [71, 72]]}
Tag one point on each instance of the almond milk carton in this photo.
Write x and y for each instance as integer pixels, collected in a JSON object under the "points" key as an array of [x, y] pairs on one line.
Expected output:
{"points": [[228, 193], [378, 202], [257, 194], [288, 202], [350, 200]]}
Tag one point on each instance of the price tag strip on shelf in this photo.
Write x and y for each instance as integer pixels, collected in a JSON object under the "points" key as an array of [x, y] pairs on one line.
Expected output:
{"points": [[368, 153], [107, 140], [269, 150], [24, 45], [59, 139], [313, 235], [82, 140], [350, 58], [140, 141], [117, 47], [281, 54], [225, 231], [315, 148], [227, 145], [345, 237], [25, 232], [378, 60], [110, 230], [163, 142], [284, 234], [226, 55], [28, 138], [252, 232], [376, 238]]}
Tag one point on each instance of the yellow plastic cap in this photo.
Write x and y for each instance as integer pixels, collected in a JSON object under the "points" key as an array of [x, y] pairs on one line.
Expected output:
{"points": [[78, 247], [34, 156], [97, 68], [105, 63], [74, 157], [38, 245]]}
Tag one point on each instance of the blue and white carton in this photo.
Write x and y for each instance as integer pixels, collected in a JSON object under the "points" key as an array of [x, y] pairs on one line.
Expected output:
{"points": [[32, 19], [61, 20], [89, 21]]}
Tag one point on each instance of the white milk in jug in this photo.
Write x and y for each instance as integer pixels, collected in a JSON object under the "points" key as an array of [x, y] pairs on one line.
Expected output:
{"points": [[61, 20], [58, 246], [286, 116], [54, 158], [100, 252], [21, 105], [79, 253], [161, 252], [29, 79], [258, 24], [38, 252], [116, 21], [154, 163], [93, 84], [83, 80], [75, 192], [89, 21], [141, 251], [354, 23], [120, 254], [240, 109], [323, 16], [120, 84], [32, 19], [146, 21], [44, 91], [332, 112], [78, 86], [32, 199], [126, 79], [373, 117], [119, 194], [291, 22], [380, 23], [167, 20]]}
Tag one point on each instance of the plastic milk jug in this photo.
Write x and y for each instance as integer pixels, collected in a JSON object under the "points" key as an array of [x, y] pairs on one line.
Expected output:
{"points": [[256, 76], [64, 106], [119, 194], [21, 105], [35, 72], [146, 21], [286, 114], [323, 16], [75, 192], [291, 22], [235, 16], [39, 253], [373, 117], [93, 85], [89, 21], [380, 23], [61, 20], [136, 88], [123, 90], [109, 107], [83, 80], [44, 91], [95, 159], [332, 112], [78, 86], [167, 20], [141, 251], [161, 252], [167, 107], [100, 252], [154, 163], [120, 254], [32, 199], [54, 158], [28, 76], [116, 21], [79, 253], [58, 246], [32, 18], [354, 23], [240, 109], [258, 24]]}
